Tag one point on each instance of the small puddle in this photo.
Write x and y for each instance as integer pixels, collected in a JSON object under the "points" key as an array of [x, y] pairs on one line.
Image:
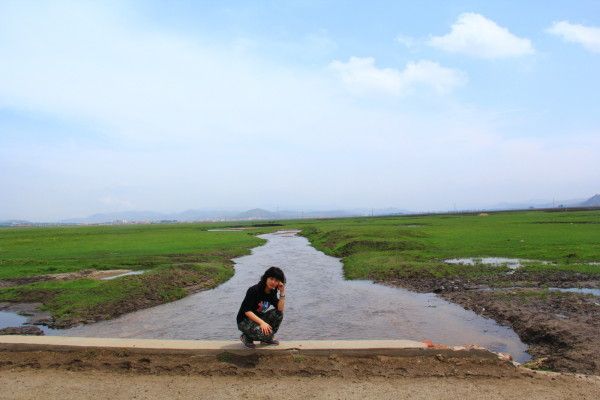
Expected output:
{"points": [[321, 304], [512, 263], [12, 319], [227, 229], [108, 278], [594, 292]]}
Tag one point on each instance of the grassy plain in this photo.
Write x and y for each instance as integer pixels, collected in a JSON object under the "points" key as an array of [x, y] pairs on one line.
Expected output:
{"points": [[415, 246], [182, 258], [177, 259]]}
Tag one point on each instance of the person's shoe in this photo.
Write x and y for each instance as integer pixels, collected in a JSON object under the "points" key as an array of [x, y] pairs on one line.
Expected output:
{"points": [[247, 342], [273, 342]]}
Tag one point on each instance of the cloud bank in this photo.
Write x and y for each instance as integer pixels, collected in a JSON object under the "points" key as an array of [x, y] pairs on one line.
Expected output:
{"points": [[587, 36], [361, 75], [477, 36]]}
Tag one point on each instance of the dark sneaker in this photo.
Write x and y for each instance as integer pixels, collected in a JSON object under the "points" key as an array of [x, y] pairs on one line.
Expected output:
{"points": [[247, 342], [273, 342]]}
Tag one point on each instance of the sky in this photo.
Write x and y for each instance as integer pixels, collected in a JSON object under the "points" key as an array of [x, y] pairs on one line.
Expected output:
{"points": [[300, 105]]}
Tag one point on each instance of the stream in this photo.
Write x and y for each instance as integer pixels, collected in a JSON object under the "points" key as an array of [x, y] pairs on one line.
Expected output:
{"points": [[320, 305]]}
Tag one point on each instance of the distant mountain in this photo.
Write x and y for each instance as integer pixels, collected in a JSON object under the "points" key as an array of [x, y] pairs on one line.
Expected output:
{"points": [[126, 216], [214, 215], [15, 222], [593, 201], [534, 204], [258, 213]]}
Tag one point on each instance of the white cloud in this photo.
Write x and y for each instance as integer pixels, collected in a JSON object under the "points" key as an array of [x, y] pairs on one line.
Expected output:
{"points": [[475, 35], [587, 36], [362, 75]]}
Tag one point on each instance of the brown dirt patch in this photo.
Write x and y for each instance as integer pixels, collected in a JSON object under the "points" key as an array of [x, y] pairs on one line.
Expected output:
{"points": [[245, 363], [420, 282], [125, 374], [65, 276], [561, 329], [66, 385]]}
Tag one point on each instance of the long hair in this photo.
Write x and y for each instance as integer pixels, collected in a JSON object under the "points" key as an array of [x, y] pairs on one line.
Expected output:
{"points": [[272, 272]]}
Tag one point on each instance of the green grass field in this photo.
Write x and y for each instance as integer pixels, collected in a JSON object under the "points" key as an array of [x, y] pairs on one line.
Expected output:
{"points": [[412, 245], [174, 256], [183, 255]]}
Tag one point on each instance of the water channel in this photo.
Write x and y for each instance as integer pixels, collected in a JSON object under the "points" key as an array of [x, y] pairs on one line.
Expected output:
{"points": [[320, 305]]}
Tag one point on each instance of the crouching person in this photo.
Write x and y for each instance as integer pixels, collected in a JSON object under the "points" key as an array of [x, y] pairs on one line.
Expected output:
{"points": [[256, 320]]}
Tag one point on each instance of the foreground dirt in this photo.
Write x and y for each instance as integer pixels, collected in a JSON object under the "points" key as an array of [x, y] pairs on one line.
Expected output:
{"points": [[67, 385], [254, 363], [561, 329]]}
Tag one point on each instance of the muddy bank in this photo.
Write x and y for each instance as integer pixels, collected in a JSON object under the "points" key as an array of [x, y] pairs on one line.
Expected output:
{"points": [[561, 329], [245, 363], [22, 330], [147, 290], [67, 276], [426, 283]]}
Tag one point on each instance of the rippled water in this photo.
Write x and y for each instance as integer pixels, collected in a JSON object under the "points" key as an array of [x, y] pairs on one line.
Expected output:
{"points": [[320, 305]]}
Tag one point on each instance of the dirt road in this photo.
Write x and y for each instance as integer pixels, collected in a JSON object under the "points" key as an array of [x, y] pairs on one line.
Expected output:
{"points": [[66, 385]]}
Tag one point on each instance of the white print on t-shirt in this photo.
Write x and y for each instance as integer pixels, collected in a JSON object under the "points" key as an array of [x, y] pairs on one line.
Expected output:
{"points": [[263, 306]]}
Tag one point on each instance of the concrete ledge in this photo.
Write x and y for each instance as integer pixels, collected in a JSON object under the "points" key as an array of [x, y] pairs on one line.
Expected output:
{"points": [[15, 342], [342, 358]]}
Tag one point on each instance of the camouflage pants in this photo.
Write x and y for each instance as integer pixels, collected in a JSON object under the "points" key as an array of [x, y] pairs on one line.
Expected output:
{"points": [[252, 330]]}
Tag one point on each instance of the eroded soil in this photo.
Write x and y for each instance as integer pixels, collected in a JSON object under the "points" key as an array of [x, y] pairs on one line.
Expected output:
{"points": [[561, 329], [65, 276], [248, 363]]}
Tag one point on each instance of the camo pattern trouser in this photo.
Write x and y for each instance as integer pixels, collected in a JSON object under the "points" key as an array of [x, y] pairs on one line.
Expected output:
{"points": [[252, 330]]}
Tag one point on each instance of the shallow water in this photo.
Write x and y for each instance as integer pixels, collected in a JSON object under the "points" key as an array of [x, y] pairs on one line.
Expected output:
{"points": [[8, 318], [595, 292], [512, 263], [12, 319], [320, 305], [110, 278]]}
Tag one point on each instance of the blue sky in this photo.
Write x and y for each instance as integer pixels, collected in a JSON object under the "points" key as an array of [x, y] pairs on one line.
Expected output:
{"points": [[167, 106]]}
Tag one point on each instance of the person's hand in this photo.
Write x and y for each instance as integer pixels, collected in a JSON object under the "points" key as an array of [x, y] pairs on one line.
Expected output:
{"points": [[281, 288], [266, 328]]}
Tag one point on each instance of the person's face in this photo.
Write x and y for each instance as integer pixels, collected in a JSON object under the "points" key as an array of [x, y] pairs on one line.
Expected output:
{"points": [[272, 283]]}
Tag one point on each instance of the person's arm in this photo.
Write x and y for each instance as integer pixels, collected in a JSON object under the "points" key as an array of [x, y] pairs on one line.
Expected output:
{"points": [[264, 327], [281, 302]]}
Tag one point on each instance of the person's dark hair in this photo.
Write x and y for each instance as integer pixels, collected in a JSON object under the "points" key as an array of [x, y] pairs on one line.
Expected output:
{"points": [[272, 272]]}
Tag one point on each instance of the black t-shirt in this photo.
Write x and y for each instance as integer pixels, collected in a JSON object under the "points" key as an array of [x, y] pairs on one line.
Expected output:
{"points": [[257, 301]]}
